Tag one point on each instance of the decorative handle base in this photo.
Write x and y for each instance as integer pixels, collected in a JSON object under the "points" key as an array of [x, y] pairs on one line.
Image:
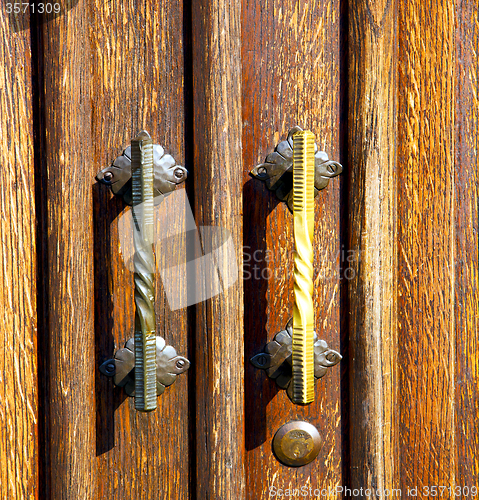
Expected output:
{"points": [[277, 358], [277, 171], [122, 366]]}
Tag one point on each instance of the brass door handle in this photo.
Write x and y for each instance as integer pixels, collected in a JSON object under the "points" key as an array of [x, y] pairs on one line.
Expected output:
{"points": [[296, 357], [155, 364], [303, 230]]}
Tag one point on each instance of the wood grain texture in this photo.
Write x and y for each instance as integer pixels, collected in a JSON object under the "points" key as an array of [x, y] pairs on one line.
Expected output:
{"points": [[18, 331], [466, 284], [372, 215], [216, 51], [68, 346], [426, 243], [137, 83], [290, 77], [410, 264]]}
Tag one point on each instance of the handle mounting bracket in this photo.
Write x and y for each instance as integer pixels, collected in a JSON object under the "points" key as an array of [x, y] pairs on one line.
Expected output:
{"points": [[277, 171], [277, 358], [122, 366]]}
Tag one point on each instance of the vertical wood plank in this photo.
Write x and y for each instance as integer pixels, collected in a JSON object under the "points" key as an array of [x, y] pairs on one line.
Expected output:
{"points": [[18, 331], [372, 291], [68, 269], [137, 83], [217, 179], [290, 77], [466, 307], [426, 251]]}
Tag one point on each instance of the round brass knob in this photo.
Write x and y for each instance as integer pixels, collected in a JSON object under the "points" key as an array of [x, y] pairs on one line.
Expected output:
{"points": [[297, 443]]}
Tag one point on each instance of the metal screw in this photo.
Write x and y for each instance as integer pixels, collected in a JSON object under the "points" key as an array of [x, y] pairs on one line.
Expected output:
{"points": [[261, 360], [108, 176], [330, 357], [180, 364], [331, 169], [262, 170], [110, 367], [178, 173]]}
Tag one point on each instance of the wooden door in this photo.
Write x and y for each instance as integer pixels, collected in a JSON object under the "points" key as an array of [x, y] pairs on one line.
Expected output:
{"points": [[390, 90]]}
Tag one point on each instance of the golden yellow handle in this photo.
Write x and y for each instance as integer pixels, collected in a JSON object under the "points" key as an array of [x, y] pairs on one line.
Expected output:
{"points": [[303, 311]]}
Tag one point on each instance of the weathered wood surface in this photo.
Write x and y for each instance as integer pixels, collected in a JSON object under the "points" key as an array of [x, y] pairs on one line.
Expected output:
{"points": [[401, 272], [137, 83], [431, 411], [67, 343], [426, 245], [218, 201], [466, 251], [371, 171], [18, 324], [105, 79], [291, 65]]}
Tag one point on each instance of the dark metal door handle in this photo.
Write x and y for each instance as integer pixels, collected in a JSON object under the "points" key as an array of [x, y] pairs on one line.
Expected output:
{"points": [[155, 364]]}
